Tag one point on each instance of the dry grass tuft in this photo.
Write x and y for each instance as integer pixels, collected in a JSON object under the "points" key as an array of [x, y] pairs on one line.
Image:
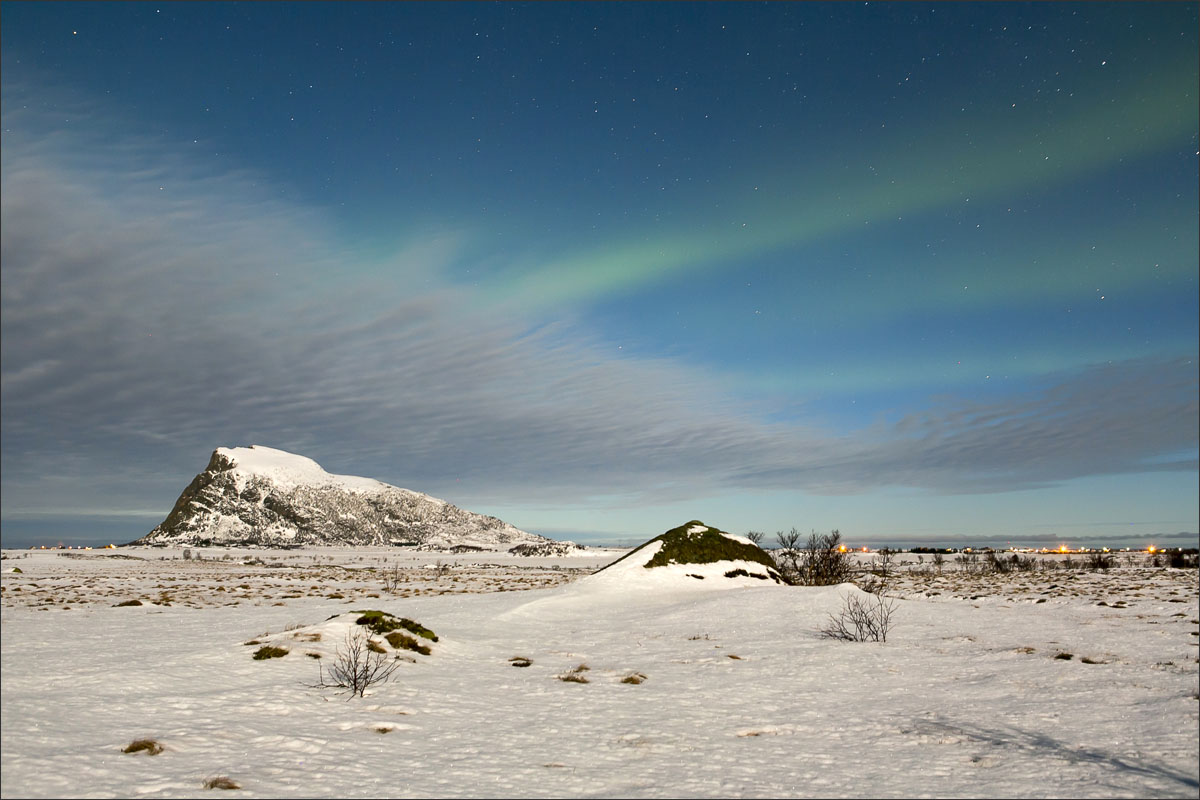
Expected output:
{"points": [[221, 782], [267, 651], [576, 675], [573, 677], [634, 678], [147, 746]]}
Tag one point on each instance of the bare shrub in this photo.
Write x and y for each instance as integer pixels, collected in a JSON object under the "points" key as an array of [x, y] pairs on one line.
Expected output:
{"points": [[822, 561], [1180, 559], [356, 667], [883, 569], [788, 554], [393, 580], [862, 619], [756, 537]]}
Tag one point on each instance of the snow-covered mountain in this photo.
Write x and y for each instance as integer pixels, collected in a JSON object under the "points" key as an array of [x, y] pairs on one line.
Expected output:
{"points": [[265, 497]]}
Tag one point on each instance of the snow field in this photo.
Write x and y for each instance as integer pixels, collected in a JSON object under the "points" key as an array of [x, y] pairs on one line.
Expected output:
{"points": [[742, 696]]}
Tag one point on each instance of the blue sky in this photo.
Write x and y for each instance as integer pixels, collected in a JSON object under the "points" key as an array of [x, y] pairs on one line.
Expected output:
{"points": [[912, 271]]}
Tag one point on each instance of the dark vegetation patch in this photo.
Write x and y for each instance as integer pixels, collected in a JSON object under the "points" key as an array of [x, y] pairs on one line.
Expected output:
{"points": [[221, 782], [128, 603], [739, 573], [402, 641], [147, 746], [267, 651], [634, 678], [520, 661], [382, 623]]}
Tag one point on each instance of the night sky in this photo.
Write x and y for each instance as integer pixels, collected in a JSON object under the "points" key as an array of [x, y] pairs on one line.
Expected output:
{"points": [[918, 272]]}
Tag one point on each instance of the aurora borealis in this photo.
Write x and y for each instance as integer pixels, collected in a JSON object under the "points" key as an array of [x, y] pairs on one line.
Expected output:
{"points": [[920, 272]]}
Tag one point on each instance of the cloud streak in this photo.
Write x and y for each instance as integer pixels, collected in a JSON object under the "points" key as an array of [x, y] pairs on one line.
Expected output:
{"points": [[153, 311]]}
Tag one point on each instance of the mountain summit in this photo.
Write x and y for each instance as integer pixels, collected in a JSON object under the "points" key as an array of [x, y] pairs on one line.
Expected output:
{"points": [[270, 498]]}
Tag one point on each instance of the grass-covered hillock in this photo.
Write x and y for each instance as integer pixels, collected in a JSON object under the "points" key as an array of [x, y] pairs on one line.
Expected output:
{"points": [[697, 543]]}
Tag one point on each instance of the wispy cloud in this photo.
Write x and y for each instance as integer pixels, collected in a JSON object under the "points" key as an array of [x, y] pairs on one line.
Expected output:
{"points": [[153, 310]]}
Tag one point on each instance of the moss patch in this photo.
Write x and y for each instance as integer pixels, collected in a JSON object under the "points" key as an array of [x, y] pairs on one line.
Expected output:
{"points": [[267, 651], [402, 641], [383, 623]]}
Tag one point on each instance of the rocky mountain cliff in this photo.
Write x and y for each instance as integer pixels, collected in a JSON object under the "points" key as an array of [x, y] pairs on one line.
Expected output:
{"points": [[264, 497]]}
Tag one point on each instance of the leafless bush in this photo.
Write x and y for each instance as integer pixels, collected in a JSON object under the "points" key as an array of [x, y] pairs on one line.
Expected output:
{"points": [[968, 562], [357, 667], [883, 569], [756, 537], [392, 580], [862, 619], [822, 561], [788, 554]]}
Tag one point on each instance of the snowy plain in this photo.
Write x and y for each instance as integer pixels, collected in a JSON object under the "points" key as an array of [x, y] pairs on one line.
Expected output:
{"points": [[971, 695]]}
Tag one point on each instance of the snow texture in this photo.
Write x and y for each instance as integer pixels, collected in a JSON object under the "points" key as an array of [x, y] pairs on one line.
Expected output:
{"points": [[971, 696]]}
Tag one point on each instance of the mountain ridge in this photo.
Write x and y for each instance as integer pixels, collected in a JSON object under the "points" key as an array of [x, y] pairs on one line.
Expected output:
{"points": [[261, 496]]}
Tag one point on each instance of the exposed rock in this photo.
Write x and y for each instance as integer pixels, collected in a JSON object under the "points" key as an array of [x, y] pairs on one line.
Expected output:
{"points": [[259, 496]]}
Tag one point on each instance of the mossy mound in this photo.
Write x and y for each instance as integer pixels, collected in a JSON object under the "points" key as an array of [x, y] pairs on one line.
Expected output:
{"points": [[697, 543]]}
